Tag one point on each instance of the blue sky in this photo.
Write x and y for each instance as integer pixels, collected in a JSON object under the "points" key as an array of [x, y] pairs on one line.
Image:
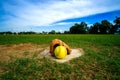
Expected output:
{"points": [[59, 15]]}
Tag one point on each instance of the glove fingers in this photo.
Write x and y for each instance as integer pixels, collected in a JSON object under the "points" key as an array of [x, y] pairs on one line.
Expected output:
{"points": [[57, 42]]}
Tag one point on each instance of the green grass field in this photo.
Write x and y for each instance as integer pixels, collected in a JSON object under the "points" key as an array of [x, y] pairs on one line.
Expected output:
{"points": [[101, 60]]}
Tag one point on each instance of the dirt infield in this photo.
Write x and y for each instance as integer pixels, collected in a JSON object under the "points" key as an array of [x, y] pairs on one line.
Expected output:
{"points": [[29, 50], [13, 51]]}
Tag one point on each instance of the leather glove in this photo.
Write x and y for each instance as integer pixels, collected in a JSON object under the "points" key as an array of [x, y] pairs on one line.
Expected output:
{"points": [[57, 42]]}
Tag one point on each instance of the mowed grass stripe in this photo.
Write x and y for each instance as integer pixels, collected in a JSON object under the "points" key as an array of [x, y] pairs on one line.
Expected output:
{"points": [[70, 39]]}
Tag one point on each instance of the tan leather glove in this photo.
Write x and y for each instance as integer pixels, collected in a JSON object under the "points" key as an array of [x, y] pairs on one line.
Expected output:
{"points": [[57, 42]]}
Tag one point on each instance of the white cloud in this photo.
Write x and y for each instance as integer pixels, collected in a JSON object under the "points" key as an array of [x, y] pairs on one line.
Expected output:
{"points": [[26, 13]]}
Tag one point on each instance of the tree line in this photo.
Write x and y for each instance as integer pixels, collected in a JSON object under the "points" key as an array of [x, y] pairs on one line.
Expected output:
{"points": [[103, 27]]}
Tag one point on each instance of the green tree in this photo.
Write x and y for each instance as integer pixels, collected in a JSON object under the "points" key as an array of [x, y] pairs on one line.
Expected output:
{"points": [[105, 27], [79, 28], [113, 29], [117, 22], [43, 32], [73, 29], [95, 28], [66, 32], [52, 32], [116, 27], [84, 27]]}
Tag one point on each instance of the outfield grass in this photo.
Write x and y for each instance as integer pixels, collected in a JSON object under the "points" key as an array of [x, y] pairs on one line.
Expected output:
{"points": [[101, 60]]}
